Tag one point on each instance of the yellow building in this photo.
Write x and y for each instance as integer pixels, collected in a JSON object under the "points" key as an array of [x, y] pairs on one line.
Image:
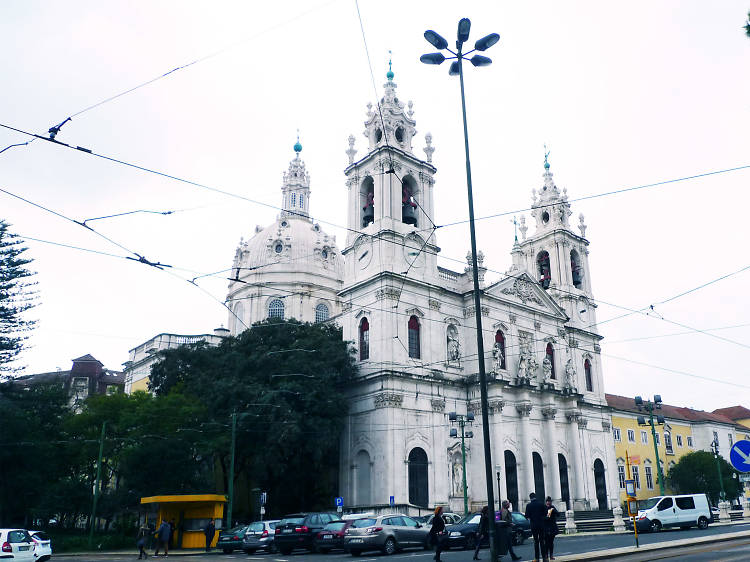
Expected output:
{"points": [[687, 430]]}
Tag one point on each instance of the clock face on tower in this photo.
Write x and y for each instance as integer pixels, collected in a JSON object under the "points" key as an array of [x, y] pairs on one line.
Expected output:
{"points": [[414, 249], [363, 252]]}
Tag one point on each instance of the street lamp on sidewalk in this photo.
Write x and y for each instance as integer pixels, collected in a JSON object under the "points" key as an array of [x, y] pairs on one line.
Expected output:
{"points": [[456, 68], [715, 450], [649, 407]]}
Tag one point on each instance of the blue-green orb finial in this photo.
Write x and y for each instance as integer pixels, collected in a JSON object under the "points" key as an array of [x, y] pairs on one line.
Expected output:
{"points": [[390, 74], [297, 145], [546, 156]]}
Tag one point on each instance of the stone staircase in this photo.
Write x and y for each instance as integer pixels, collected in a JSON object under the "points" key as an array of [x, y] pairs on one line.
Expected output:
{"points": [[589, 521]]}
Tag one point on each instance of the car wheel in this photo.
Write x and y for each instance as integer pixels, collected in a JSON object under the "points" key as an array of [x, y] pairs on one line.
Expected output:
{"points": [[702, 522], [471, 542], [655, 526], [390, 546]]}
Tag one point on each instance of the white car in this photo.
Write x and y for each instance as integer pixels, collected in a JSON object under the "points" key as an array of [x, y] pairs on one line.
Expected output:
{"points": [[43, 550], [16, 545]]}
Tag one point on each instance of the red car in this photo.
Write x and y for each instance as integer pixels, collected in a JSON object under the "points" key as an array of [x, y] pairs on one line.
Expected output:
{"points": [[332, 536]]}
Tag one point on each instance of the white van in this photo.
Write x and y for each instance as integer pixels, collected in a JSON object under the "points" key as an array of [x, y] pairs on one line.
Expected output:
{"points": [[673, 511]]}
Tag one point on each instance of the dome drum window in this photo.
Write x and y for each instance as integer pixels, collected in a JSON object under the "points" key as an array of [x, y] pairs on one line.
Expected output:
{"points": [[276, 309], [321, 313]]}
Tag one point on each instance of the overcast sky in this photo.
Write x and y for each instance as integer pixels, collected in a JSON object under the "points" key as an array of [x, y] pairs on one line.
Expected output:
{"points": [[623, 95]]}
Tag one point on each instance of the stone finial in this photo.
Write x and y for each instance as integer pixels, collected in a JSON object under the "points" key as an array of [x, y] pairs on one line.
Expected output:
{"points": [[582, 226], [429, 149], [523, 228], [351, 151], [410, 113], [370, 112]]}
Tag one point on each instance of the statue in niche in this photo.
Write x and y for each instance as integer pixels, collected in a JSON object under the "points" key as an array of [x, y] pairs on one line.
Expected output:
{"points": [[497, 357], [546, 369], [570, 374], [454, 346], [458, 477], [523, 368]]}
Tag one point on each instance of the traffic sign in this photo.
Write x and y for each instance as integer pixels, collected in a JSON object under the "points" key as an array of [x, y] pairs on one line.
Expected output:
{"points": [[392, 500], [739, 455], [339, 502]]}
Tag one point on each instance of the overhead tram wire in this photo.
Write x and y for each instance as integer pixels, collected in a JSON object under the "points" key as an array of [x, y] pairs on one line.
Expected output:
{"points": [[217, 190]]}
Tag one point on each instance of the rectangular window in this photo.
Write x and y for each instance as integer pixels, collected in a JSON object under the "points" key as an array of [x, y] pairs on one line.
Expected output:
{"points": [[616, 434], [685, 502], [644, 437], [668, 443], [636, 477], [690, 441], [621, 476], [649, 477], [679, 440], [656, 438], [631, 436]]}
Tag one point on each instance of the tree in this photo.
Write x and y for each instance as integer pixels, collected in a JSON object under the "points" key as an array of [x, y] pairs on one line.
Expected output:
{"points": [[16, 297], [286, 380], [747, 25], [696, 472]]}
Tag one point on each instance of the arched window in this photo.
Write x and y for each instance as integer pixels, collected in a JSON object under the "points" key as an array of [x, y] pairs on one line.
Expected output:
{"points": [[562, 465], [364, 339], [239, 317], [364, 478], [601, 484], [545, 274], [511, 478], [367, 200], [294, 199], [589, 378], [551, 356], [418, 484], [414, 337], [498, 352], [576, 269], [538, 474], [276, 309], [321, 313]]}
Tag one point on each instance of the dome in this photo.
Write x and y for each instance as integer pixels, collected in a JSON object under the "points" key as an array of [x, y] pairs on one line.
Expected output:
{"points": [[291, 244]]}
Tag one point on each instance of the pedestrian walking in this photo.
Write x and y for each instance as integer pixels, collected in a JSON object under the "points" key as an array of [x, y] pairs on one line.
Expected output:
{"points": [[505, 515], [483, 531], [172, 530], [209, 531], [550, 527], [162, 538], [436, 531], [536, 513], [143, 534]]}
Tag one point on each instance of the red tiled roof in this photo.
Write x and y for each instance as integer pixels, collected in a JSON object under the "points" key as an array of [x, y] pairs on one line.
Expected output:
{"points": [[734, 412], [675, 412]]}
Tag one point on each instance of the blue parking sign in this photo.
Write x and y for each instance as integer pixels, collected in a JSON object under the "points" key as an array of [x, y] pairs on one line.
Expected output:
{"points": [[339, 502], [392, 500]]}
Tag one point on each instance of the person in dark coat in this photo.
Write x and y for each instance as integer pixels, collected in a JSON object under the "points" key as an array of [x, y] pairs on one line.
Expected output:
{"points": [[209, 531], [140, 542], [436, 531], [505, 515], [162, 538], [172, 530], [550, 527], [483, 532], [536, 513]]}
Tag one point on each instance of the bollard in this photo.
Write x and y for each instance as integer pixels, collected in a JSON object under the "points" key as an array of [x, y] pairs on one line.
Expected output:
{"points": [[570, 523], [618, 523], [745, 507], [724, 512]]}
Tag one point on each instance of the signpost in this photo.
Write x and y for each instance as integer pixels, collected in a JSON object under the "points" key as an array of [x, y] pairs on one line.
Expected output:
{"points": [[739, 455], [339, 504], [392, 501]]}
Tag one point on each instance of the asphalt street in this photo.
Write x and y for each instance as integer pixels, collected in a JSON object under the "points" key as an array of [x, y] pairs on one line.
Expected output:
{"points": [[564, 545]]}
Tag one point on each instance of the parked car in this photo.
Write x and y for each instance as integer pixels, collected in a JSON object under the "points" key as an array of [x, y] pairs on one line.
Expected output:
{"points": [[231, 540], [387, 533], [43, 545], [449, 518], [17, 545], [464, 533], [260, 535], [332, 536], [521, 528], [298, 530], [682, 511]]}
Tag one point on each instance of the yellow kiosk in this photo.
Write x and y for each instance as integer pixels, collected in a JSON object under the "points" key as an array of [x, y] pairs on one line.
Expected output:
{"points": [[191, 514]]}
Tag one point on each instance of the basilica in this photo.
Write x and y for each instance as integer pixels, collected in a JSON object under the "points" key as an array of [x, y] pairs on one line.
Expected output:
{"points": [[413, 325]]}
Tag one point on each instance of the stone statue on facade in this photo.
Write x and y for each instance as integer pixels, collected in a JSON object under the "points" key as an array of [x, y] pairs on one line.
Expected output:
{"points": [[454, 346], [570, 374], [546, 369], [458, 477], [497, 357]]}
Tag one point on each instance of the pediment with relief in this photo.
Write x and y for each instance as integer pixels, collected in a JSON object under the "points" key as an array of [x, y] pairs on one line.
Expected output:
{"points": [[524, 290]]}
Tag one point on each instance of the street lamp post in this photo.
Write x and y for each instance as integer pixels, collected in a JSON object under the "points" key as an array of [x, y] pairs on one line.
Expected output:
{"points": [[96, 485], [649, 407], [715, 449], [464, 27], [453, 417]]}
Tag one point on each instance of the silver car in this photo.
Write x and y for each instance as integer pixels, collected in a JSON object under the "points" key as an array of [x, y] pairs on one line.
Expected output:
{"points": [[387, 533]]}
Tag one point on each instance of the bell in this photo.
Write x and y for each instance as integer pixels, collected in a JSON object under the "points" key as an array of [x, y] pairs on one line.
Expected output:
{"points": [[368, 215], [408, 214]]}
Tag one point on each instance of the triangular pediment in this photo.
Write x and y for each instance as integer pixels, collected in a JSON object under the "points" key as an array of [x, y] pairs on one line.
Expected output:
{"points": [[524, 290]]}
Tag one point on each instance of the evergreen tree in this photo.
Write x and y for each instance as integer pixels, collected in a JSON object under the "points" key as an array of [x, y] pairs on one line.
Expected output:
{"points": [[16, 297], [696, 472]]}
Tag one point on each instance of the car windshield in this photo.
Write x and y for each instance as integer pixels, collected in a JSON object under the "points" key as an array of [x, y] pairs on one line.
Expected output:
{"points": [[236, 530], [361, 523], [335, 526], [649, 503], [292, 520], [469, 518]]}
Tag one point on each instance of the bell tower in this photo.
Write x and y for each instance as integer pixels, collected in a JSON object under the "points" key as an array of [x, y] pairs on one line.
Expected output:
{"points": [[295, 191], [555, 255], [390, 193]]}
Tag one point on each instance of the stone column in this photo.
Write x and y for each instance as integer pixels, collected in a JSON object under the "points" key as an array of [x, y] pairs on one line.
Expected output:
{"points": [[552, 478], [526, 472], [577, 473]]}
